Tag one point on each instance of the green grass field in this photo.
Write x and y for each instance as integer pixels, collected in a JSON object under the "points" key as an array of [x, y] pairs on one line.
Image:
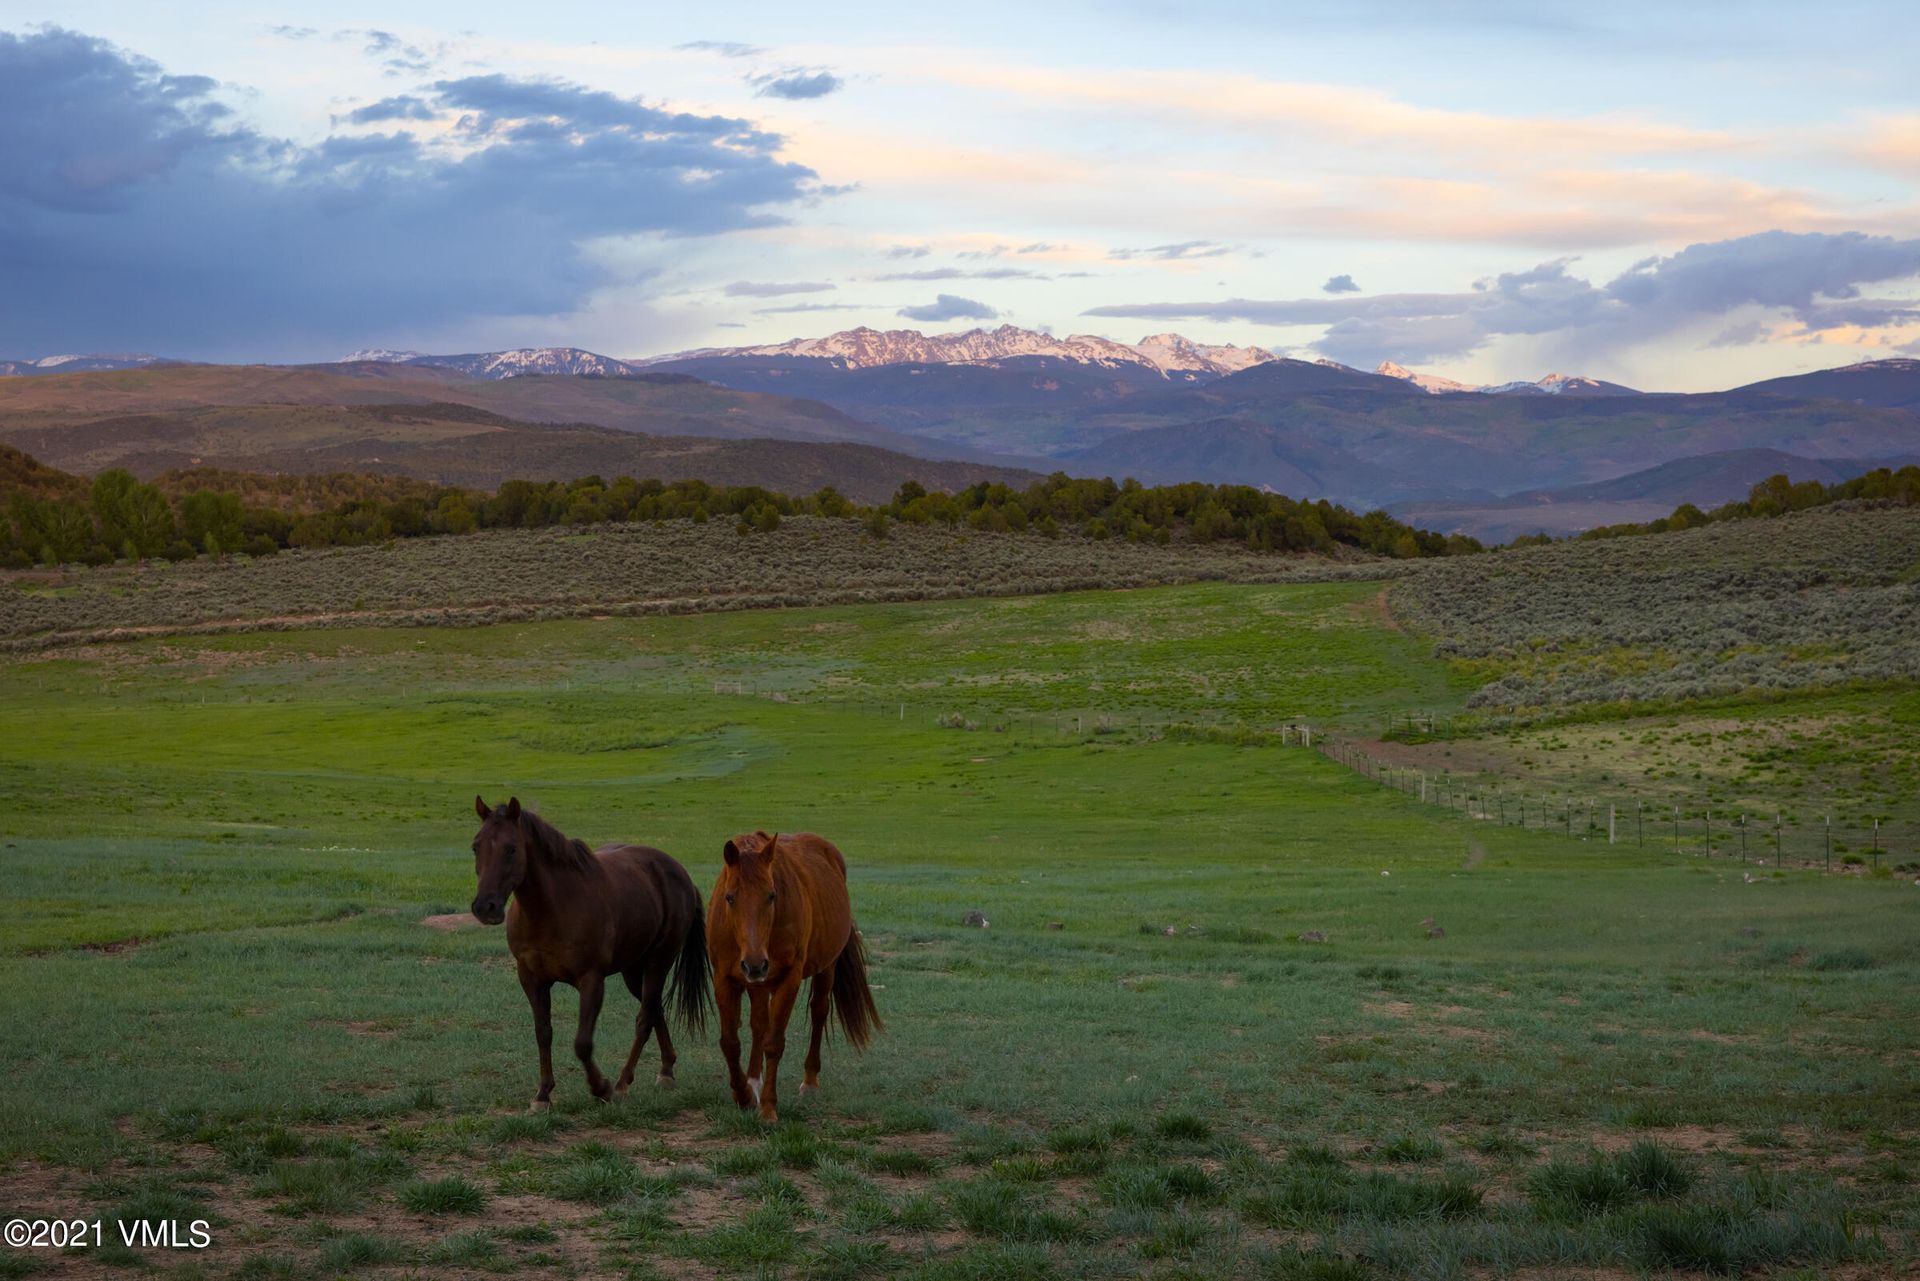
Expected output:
{"points": [[222, 1002]]}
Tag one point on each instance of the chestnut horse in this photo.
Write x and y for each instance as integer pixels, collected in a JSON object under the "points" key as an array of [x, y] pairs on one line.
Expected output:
{"points": [[580, 915], [780, 916]]}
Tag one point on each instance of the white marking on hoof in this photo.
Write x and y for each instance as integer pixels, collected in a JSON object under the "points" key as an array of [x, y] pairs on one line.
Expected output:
{"points": [[753, 1083], [539, 1105]]}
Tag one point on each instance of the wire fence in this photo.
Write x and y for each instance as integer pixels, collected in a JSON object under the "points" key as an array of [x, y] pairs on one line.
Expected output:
{"points": [[1760, 836], [1771, 837]]}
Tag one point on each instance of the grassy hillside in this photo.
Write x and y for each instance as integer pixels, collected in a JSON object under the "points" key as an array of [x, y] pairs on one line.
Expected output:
{"points": [[452, 444], [1706, 481], [1753, 676], [674, 567], [1816, 599], [220, 851], [664, 405]]}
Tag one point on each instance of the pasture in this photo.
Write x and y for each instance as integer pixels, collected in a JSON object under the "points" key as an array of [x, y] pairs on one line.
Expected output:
{"points": [[1238, 1012]]}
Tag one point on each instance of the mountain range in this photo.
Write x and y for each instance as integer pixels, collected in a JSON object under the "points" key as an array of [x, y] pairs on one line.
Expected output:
{"points": [[1551, 385], [1169, 355], [1008, 402]]}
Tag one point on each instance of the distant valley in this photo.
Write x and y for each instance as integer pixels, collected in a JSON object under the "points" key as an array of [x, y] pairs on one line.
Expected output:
{"points": [[1557, 454]]}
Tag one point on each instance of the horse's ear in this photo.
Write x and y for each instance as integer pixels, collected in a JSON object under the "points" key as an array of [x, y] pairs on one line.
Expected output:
{"points": [[513, 809], [772, 846], [480, 808], [731, 853]]}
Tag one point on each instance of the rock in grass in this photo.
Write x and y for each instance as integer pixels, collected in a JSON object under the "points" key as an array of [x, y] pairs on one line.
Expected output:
{"points": [[978, 919], [1056, 925], [1437, 932], [1312, 936]]}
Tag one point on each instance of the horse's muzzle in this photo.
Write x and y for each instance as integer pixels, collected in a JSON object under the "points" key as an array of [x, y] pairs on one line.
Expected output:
{"points": [[755, 971], [489, 911]]}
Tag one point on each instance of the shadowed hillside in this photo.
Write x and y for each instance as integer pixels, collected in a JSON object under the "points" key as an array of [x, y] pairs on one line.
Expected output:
{"points": [[453, 444]]}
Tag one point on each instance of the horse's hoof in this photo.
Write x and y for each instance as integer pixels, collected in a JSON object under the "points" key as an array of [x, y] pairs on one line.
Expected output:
{"points": [[770, 1116], [539, 1105], [619, 1092], [805, 1090], [664, 1081]]}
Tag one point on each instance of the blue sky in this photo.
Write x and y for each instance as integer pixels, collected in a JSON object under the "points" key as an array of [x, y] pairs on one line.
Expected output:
{"points": [[1673, 196]]}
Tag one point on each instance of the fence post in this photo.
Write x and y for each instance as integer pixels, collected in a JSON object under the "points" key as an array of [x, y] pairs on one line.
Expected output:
{"points": [[1612, 813], [1876, 842], [1709, 831], [1829, 842], [1639, 823], [1743, 838]]}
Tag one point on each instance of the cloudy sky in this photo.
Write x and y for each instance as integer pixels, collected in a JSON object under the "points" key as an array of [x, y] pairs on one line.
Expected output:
{"points": [[1676, 196]]}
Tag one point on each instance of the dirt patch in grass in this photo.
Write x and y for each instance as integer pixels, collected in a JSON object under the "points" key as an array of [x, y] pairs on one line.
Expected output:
{"points": [[450, 921]]}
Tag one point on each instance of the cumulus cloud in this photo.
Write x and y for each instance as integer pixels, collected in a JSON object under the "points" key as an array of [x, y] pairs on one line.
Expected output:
{"points": [[1741, 335], [760, 289], [792, 308], [140, 213], [395, 54], [956, 273], [796, 83], [1815, 279], [1184, 249], [1340, 285], [399, 107], [950, 307], [725, 48]]}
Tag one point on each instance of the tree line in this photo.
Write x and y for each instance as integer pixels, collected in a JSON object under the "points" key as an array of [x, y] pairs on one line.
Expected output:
{"points": [[53, 518], [1777, 495]]}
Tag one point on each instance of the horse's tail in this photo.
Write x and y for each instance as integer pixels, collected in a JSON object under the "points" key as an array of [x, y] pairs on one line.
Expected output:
{"points": [[689, 988], [852, 998]]}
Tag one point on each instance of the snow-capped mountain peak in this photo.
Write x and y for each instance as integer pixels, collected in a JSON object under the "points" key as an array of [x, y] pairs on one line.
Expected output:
{"points": [[79, 363], [1174, 353], [1432, 384], [1551, 385], [1170, 355], [379, 356], [514, 363]]}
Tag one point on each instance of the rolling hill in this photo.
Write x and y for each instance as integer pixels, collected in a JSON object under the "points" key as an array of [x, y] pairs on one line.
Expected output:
{"points": [[455, 444], [659, 403], [1706, 480]]}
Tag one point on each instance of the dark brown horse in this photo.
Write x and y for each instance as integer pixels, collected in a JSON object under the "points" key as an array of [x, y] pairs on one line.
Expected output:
{"points": [[780, 916], [579, 916]]}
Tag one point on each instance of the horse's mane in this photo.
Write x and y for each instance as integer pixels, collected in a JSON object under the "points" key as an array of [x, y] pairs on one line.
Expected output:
{"points": [[552, 847]]}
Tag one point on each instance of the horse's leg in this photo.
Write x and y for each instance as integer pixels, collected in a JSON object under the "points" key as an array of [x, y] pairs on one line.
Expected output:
{"points": [[726, 995], [593, 990], [642, 1028], [780, 1009], [657, 1002], [540, 997], [817, 1008], [756, 1058]]}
